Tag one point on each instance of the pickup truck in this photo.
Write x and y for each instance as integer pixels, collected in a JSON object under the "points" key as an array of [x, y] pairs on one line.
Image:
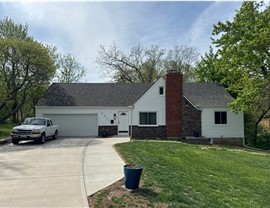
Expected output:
{"points": [[36, 129]]}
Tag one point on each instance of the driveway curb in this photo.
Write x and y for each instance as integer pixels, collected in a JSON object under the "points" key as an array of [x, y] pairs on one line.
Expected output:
{"points": [[5, 141], [84, 189]]}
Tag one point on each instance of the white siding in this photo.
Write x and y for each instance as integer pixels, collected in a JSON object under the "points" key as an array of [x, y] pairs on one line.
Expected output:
{"points": [[233, 129], [151, 101], [104, 114]]}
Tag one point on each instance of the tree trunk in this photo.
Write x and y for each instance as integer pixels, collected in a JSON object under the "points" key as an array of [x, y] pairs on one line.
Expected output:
{"points": [[257, 123], [14, 111], [14, 116], [21, 115]]}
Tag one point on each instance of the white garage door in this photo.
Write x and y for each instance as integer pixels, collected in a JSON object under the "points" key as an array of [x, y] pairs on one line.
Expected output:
{"points": [[75, 124]]}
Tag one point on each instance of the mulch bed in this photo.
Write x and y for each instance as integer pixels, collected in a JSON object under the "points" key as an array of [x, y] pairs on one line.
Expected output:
{"points": [[117, 196]]}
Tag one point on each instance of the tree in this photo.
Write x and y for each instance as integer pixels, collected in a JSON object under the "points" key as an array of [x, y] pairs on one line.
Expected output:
{"points": [[10, 30], [206, 71], [242, 60], [26, 69], [182, 59], [68, 69], [144, 64], [23, 64], [140, 65]]}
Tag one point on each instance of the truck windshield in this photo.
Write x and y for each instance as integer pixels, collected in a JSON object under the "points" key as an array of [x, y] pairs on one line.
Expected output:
{"points": [[35, 121]]}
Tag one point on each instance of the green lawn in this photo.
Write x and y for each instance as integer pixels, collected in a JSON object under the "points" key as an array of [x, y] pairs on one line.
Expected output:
{"points": [[182, 175], [5, 130]]}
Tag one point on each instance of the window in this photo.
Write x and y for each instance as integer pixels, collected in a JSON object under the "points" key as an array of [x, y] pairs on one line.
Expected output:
{"points": [[148, 118], [161, 90], [221, 117]]}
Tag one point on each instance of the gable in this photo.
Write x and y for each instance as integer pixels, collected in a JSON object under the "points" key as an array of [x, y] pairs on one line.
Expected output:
{"points": [[151, 101]]}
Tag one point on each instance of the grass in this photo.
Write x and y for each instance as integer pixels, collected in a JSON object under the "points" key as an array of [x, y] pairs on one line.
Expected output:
{"points": [[182, 175], [5, 130]]}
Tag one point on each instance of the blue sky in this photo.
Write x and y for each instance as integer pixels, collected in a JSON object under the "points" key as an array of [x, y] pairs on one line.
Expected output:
{"points": [[80, 28]]}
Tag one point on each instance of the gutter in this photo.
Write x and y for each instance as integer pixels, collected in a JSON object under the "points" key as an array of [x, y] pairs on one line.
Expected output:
{"points": [[131, 119]]}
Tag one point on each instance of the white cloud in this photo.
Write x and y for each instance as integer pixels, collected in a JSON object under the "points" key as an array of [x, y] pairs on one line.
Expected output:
{"points": [[201, 30], [80, 28], [76, 28]]}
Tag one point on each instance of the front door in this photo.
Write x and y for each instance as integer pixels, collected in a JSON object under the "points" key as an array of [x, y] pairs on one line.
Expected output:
{"points": [[123, 123]]}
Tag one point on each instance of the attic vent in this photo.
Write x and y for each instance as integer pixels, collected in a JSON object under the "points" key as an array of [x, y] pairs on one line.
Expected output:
{"points": [[123, 114]]}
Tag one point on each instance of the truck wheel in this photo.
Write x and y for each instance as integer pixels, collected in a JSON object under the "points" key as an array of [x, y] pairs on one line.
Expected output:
{"points": [[42, 139], [55, 135], [15, 141]]}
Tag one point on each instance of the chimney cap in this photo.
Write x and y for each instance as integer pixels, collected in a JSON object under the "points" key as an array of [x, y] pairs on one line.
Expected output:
{"points": [[171, 71]]}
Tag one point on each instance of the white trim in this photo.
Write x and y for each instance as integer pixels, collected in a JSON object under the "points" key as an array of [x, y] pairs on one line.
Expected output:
{"points": [[127, 115], [131, 120], [214, 106], [83, 107], [159, 87], [221, 125], [145, 125], [192, 103], [148, 125]]}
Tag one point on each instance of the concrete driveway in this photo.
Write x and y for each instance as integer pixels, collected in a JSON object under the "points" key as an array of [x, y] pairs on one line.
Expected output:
{"points": [[49, 175], [59, 173]]}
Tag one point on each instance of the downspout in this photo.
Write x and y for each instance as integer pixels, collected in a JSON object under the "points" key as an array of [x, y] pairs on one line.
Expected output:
{"points": [[131, 120]]}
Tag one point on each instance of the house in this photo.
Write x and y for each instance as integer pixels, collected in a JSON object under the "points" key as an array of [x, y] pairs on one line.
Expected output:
{"points": [[164, 109]]}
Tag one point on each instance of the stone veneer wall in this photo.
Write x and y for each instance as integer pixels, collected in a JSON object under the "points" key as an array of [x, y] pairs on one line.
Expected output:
{"points": [[112, 130], [229, 141], [191, 119], [148, 132]]}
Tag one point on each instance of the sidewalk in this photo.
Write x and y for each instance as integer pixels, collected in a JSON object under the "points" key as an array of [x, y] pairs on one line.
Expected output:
{"points": [[102, 165]]}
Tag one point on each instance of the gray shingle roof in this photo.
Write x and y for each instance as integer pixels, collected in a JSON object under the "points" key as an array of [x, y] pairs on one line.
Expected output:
{"points": [[93, 94], [126, 94], [207, 94]]}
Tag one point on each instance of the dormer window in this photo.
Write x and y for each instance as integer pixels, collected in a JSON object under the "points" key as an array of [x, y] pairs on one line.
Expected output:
{"points": [[161, 90]]}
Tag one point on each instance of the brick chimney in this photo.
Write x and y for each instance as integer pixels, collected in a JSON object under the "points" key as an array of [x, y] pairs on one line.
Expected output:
{"points": [[174, 94]]}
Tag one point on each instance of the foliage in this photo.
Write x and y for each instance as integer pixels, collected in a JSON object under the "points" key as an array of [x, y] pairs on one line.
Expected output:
{"points": [[68, 69], [206, 70], [182, 175], [27, 67], [145, 65], [182, 59], [263, 141], [10, 30], [263, 133], [242, 60], [5, 130], [24, 63]]}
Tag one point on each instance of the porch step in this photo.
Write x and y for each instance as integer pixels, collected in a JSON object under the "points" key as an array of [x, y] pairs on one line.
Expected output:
{"points": [[198, 140]]}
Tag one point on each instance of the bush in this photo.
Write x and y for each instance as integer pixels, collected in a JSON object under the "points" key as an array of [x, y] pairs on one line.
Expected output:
{"points": [[249, 128], [263, 136]]}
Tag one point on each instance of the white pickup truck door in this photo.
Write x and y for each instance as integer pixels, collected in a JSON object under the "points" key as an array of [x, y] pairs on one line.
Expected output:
{"points": [[50, 129]]}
